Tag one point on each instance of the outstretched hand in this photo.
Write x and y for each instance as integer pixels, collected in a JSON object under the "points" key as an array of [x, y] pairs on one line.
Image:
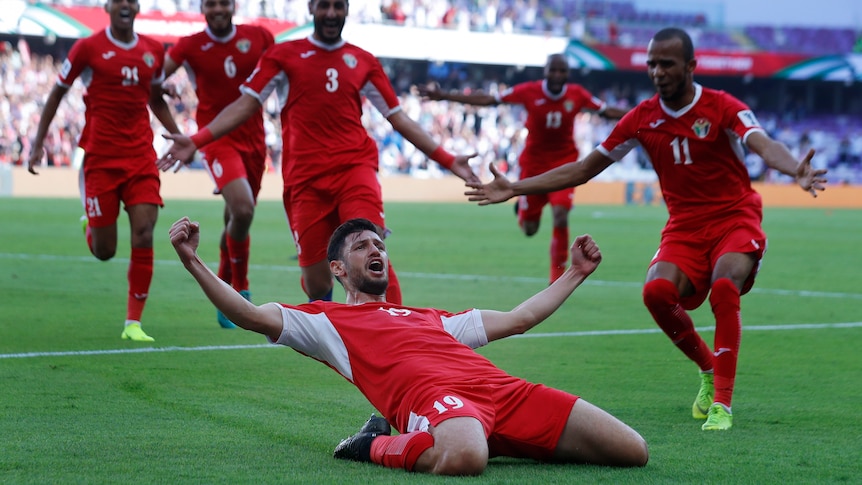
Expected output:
{"points": [[461, 167], [180, 152], [35, 159], [185, 237], [430, 91], [810, 179], [495, 191], [585, 255]]}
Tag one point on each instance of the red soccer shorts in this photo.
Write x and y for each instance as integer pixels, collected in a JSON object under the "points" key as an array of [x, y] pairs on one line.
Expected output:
{"points": [[695, 253], [226, 161], [104, 189], [317, 208], [530, 206], [521, 419]]}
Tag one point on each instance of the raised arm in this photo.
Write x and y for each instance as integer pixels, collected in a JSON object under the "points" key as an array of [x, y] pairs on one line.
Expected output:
{"points": [[229, 118], [415, 134], [585, 259], [569, 175], [161, 110], [612, 113], [433, 92], [37, 149], [776, 155], [264, 319]]}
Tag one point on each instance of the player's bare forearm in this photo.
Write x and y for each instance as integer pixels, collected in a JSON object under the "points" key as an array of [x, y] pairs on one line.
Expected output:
{"points": [[501, 189], [233, 115], [777, 156], [266, 320], [37, 150], [586, 257], [162, 112], [433, 92]]}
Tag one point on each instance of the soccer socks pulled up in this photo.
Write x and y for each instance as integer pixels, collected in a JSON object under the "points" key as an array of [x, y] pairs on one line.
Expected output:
{"points": [[400, 451], [662, 300], [224, 269], [238, 252], [140, 275], [559, 252], [725, 301]]}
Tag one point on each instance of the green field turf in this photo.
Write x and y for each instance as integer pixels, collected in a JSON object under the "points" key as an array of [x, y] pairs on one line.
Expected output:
{"points": [[208, 405]]}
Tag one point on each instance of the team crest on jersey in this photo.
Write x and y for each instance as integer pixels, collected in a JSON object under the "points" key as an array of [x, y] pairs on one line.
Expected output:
{"points": [[243, 45], [149, 59], [701, 127], [569, 106], [350, 60]]}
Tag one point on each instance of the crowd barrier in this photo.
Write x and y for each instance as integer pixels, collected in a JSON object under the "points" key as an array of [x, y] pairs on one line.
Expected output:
{"points": [[195, 184]]}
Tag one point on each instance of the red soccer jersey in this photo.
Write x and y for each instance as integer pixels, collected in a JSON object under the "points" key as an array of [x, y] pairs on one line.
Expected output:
{"points": [[393, 353], [321, 89], [550, 123], [118, 77], [217, 68], [696, 152]]}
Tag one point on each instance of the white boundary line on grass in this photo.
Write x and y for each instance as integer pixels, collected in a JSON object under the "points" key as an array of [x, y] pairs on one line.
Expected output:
{"points": [[586, 333], [437, 276]]}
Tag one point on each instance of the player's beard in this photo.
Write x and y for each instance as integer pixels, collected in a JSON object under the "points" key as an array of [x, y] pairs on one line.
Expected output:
{"points": [[677, 94], [373, 287]]}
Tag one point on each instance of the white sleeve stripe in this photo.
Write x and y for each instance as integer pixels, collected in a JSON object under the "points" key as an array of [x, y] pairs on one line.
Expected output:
{"points": [[467, 328]]}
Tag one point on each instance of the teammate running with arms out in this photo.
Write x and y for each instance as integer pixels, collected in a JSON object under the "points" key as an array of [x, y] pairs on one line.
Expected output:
{"points": [[122, 72], [330, 162], [552, 105], [217, 61], [713, 243], [453, 407]]}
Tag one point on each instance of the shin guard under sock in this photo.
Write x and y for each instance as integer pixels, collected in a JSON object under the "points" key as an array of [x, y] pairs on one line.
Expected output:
{"points": [[559, 252], [725, 301], [238, 252], [140, 275], [662, 300], [400, 451]]}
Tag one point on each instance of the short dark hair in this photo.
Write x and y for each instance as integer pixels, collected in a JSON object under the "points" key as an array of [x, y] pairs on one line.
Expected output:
{"points": [[352, 226], [676, 33]]}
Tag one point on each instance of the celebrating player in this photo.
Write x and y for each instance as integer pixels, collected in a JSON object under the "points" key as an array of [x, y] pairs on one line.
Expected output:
{"points": [[122, 72], [713, 242], [330, 162], [453, 407], [218, 60], [552, 105]]}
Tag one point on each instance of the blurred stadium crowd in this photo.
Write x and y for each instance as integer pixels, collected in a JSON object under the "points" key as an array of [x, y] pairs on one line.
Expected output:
{"points": [[496, 133], [606, 21]]}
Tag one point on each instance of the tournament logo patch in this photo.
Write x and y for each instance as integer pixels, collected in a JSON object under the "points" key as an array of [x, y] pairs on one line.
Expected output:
{"points": [[569, 106], [350, 60], [747, 118], [701, 127], [149, 59], [243, 45]]}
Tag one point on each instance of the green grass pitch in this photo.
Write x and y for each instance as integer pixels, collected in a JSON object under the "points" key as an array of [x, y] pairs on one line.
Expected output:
{"points": [[207, 405]]}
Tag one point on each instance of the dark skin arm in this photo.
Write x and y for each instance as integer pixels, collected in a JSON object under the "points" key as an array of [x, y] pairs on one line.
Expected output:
{"points": [[571, 174]]}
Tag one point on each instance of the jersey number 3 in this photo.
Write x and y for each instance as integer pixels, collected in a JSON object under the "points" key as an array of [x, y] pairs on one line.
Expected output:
{"points": [[332, 79]]}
